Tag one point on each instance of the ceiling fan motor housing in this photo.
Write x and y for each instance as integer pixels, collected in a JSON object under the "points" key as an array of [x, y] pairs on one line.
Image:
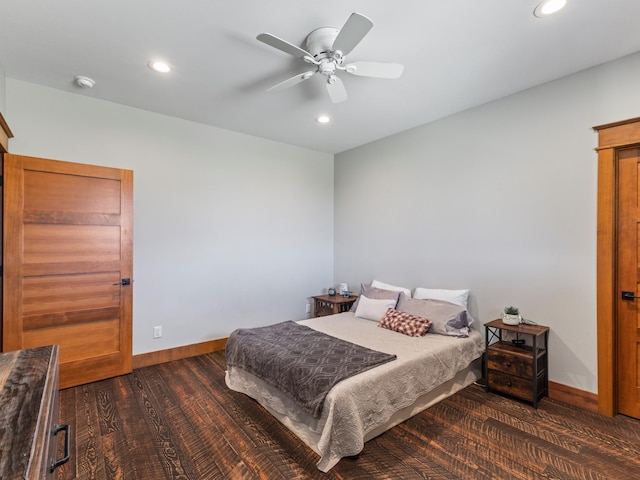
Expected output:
{"points": [[320, 41]]}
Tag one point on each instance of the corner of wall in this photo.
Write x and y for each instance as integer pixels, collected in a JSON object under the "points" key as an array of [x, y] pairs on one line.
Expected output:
{"points": [[3, 99]]}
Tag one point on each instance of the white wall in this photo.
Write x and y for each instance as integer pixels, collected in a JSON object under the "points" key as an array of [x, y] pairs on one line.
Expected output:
{"points": [[500, 199], [2, 89], [230, 230]]}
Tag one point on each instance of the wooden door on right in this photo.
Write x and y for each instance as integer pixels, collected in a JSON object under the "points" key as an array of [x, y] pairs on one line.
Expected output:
{"points": [[628, 282]]}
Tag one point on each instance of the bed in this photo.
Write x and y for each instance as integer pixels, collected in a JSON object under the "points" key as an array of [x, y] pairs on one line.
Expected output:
{"points": [[427, 369]]}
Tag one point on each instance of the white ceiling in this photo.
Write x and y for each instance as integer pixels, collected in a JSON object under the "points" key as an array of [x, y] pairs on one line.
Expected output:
{"points": [[457, 54]]}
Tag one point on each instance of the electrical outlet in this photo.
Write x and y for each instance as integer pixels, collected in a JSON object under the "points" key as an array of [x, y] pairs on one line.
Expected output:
{"points": [[308, 308], [157, 331]]}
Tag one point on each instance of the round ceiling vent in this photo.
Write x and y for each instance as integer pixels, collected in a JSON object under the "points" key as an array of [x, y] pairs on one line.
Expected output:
{"points": [[85, 82]]}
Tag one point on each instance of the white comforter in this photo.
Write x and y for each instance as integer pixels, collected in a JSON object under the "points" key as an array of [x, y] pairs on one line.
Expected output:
{"points": [[361, 404]]}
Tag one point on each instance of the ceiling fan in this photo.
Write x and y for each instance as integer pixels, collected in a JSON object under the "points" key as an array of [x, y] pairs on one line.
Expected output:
{"points": [[326, 50]]}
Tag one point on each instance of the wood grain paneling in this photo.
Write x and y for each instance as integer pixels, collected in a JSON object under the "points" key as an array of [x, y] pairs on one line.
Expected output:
{"points": [[611, 137], [77, 342], [71, 193], [627, 312], [5, 135], [60, 319], [618, 134], [68, 244], [70, 293], [81, 248]]}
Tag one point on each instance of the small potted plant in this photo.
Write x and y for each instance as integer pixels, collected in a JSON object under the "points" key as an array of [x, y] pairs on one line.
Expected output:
{"points": [[511, 316]]}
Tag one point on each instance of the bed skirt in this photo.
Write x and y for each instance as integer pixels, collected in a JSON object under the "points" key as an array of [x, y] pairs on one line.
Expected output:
{"points": [[306, 428]]}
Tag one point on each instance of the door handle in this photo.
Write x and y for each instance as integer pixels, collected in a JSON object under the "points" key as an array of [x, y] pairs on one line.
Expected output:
{"points": [[125, 281], [628, 296]]}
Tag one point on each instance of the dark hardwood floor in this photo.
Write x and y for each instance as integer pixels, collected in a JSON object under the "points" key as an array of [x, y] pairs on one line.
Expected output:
{"points": [[179, 421]]}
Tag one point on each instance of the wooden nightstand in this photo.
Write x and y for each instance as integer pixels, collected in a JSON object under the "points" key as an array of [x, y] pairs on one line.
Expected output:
{"points": [[521, 371], [329, 305]]}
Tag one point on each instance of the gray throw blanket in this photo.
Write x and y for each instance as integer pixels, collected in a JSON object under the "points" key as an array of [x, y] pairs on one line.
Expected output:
{"points": [[299, 361]]}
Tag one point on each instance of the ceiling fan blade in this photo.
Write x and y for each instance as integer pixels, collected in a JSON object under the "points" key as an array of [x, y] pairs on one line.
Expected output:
{"points": [[283, 45], [354, 30], [290, 82], [336, 90], [375, 69]]}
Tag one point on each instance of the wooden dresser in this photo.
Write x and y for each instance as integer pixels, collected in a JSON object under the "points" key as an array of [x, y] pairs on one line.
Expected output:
{"points": [[29, 411]]}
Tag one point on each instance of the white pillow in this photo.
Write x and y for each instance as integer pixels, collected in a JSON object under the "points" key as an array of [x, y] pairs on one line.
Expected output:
{"points": [[386, 286], [371, 309], [458, 297]]}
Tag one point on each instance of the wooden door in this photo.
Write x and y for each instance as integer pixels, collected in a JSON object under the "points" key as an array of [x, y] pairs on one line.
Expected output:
{"points": [[68, 244], [628, 283]]}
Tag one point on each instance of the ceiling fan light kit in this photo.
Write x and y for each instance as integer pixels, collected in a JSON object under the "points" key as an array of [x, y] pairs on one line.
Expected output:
{"points": [[326, 49]]}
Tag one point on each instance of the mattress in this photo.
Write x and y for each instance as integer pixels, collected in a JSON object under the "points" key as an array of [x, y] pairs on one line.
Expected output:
{"points": [[357, 409]]}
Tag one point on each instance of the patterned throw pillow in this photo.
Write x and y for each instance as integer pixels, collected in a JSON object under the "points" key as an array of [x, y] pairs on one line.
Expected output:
{"points": [[405, 323]]}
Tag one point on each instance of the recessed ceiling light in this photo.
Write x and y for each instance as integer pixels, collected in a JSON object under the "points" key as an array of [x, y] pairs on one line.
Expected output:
{"points": [[323, 119], [159, 66], [549, 7]]}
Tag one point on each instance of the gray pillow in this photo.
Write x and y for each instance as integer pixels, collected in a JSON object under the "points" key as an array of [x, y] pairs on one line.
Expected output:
{"points": [[374, 293], [446, 318], [373, 309]]}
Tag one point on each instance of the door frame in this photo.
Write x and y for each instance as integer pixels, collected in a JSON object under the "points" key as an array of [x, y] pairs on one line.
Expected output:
{"points": [[611, 138]]}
